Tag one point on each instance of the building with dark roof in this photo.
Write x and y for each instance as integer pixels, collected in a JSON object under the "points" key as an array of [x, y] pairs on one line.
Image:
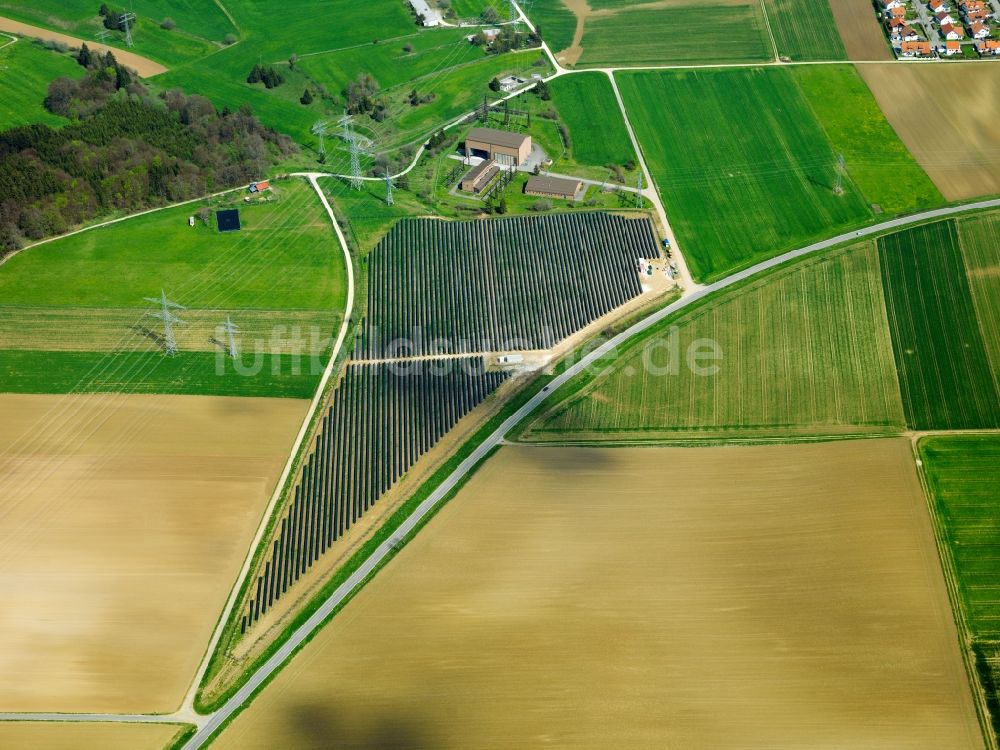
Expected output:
{"points": [[479, 176], [553, 187]]}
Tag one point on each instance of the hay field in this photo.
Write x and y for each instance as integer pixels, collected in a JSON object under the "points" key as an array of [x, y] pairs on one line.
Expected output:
{"points": [[29, 68], [824, 365], [76, 736], [768, 597], [859, 29], [955, 138], [122, 528], [802, 29]]}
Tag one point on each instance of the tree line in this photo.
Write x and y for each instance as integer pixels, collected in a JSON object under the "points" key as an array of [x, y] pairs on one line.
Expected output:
{"points": [[123, 150]]}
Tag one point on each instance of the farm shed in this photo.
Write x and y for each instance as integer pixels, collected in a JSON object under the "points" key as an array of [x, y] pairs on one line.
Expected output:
{"points": [[553, 187], [479, 176], [228, 220], [509, 149], [427, 15]]}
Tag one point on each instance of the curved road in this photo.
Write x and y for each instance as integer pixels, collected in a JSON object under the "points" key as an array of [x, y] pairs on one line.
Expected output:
{"points": [[243, 695]]}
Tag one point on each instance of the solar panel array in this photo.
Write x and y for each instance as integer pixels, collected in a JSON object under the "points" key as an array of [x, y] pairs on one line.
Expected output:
{"points": [[505, 284], [382, 418]]}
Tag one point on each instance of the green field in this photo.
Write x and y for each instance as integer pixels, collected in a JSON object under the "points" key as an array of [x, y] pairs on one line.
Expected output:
{"points": [[282, 271], [878, 163], [27, 69], [963, 476], [662, 36], [597, 131], [197, 373], [745, 169], [286, 257], [554, 21], [980, 238], [201, 26], [804, 351], [944, 375], [804, 30]]}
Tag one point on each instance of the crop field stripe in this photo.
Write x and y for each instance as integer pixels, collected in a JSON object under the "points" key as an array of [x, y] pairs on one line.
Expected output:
{"points": [[941, 361], [375, 412], [804, 29], [980, 240]]}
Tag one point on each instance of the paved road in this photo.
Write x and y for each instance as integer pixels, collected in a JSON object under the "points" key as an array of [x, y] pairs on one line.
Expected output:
{"points": [[244, 694], [928, 23]]}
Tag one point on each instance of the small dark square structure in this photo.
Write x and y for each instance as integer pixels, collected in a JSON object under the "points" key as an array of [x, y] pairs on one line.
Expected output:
{"points": [[228, 220]]}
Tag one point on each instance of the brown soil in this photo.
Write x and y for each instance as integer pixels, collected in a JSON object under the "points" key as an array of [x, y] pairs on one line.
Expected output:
{"points": [[767, 597], [859, 29], [76, 736], [123, 523], [141, 65], [947, 116]]}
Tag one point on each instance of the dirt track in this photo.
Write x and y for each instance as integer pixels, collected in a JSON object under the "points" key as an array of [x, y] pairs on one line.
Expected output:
{"points": [[120, 540], [141, 65], [768, 597]]}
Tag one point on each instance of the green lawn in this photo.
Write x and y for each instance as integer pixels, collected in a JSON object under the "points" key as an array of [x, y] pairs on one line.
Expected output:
{"points": [[944, 375], [804, 351], [980, 238], [286, 257], [805, 30], [587, 105], [879, 164], [27, 69], [661, 36], [744, 167], [963, 476]]}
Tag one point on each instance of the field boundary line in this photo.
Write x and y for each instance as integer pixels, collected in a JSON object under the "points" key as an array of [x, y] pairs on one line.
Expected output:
{"points": [[187, 706], [215, 720]]}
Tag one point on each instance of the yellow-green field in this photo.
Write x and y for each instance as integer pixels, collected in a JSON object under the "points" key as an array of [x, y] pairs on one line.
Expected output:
{"points": [[781, 597]]}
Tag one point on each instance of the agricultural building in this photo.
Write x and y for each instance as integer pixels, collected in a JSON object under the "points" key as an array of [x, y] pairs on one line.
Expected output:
{"points": [[509, 149], [479, 176], [228, 220], [553, 187]]}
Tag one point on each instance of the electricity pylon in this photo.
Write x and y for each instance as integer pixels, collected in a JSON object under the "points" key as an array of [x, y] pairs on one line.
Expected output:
{"points": [[388, 188], [126, 20], [231, 330], [352, 143], [638, 191], [319, 129], [168, 318], [841, 166]]}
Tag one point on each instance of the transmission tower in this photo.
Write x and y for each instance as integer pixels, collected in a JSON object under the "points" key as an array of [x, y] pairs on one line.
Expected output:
{"points": [[102, 35], [841, 166], [231, 330], [512, 15], [638, 191], [388, 189], [126, 20], [355, 149], [168, 318], [319, 129]]}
